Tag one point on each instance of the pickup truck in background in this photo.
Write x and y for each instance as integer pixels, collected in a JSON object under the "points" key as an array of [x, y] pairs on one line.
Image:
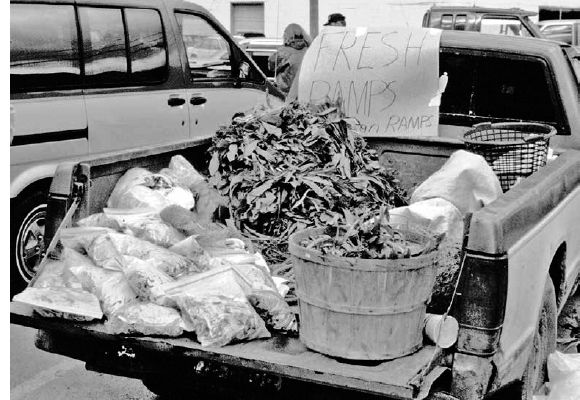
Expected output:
{"points": [[562, 30], [501, 21], [521, 254]]}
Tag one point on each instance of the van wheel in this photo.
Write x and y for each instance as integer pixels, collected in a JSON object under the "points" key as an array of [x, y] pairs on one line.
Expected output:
{"points": [[544, 343], [27, 239]]}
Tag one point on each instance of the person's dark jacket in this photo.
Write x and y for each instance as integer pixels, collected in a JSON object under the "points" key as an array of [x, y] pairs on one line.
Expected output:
{"points": [[287, 59]]}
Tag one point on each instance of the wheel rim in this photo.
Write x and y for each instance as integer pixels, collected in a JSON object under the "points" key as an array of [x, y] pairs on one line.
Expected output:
{"points": [[30, 242]]}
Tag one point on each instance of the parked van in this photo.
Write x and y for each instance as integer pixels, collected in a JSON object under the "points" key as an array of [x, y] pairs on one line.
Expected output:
{"points": [[501, 21], [99, 76]]}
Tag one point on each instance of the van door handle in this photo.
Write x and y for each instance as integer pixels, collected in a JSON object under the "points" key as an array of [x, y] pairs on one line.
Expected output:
{"points": [[197, 100], [175, 101]]}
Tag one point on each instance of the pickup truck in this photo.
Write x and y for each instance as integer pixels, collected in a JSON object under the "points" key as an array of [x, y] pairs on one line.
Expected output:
{"points": [[504, 21], [520, 258]]}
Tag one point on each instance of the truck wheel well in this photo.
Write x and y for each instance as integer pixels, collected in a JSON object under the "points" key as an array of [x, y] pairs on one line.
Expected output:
{"points": [[42, 184], [558, 271]]}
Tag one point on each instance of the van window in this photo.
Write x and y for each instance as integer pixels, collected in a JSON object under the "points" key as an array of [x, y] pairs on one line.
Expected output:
{"points": [[43, 47], [208, 52], [104, 46], [148, 57], [503, 26]]}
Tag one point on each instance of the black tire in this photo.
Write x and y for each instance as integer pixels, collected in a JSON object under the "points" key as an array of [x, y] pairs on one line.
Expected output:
{"points": [[26, 238], [544, 343]]}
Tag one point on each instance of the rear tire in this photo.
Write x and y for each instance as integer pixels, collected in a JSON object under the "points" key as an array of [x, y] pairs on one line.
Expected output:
{"points": [[26, 238], [544, 343]]}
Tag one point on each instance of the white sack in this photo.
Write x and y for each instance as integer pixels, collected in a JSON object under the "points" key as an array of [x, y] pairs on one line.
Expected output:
{"points": [[437, 215], [465, 180]]}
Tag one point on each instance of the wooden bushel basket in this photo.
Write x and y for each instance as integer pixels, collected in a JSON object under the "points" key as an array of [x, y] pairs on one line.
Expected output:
{"points": [[361, 309]]}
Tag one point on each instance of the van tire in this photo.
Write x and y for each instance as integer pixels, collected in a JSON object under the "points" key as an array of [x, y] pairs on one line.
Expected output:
{"points": [[544, 343], [26, 238]]}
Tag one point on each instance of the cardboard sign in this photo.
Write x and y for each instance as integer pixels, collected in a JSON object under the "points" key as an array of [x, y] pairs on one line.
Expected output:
{"points": [[387, 78]]}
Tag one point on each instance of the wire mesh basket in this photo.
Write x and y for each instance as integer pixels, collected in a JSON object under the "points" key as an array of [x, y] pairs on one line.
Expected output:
{"points": [[513, 150]]}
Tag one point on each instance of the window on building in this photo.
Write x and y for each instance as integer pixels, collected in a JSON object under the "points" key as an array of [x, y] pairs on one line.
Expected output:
{"points": [[104, 47], [148, 56], [43, 47], [247, 19]]}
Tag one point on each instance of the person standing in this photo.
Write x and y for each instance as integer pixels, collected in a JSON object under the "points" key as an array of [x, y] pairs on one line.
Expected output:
{"points": [[286, 61], [336, 19]]}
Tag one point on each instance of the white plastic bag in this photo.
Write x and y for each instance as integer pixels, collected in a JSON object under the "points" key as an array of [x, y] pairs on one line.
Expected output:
{"points": [[139, 188], [99, 220], [465, 180], [147, 319], [133, 177], [437, 215], [564, 375]]}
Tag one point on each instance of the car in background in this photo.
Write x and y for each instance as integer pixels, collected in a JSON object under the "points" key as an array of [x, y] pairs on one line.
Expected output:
{"points": [[562, 30], [260, 49], [501, 21]]}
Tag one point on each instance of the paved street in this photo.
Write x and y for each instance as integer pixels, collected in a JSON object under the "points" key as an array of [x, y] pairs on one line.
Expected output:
{"points": [[37, 375]]}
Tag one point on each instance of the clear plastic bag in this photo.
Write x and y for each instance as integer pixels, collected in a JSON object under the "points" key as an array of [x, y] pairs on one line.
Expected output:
{"points": [[147, 280], [61, 302], [105, 251], [266, 299], [80, 239], [133, 177], [99, 220], [147, 319], [182, 172], [114, 293], [145, 224], [218, 320]]}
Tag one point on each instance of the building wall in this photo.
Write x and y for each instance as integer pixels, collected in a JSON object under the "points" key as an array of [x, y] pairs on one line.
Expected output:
{"points": [[279, 13]]}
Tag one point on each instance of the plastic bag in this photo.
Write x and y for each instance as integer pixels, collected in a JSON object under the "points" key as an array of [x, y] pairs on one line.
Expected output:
{"points": [[105, 251], [140, 197], [465, 180], [139, 188], [147, 319], [265, 298], [99, 220], [61, 302], [437, 215], [147, 280], [218, 320], [182, 172], [51, 275], [133, 177], [191, 249], [114, 293], [564, 375], [79, 239], [145, 224]]}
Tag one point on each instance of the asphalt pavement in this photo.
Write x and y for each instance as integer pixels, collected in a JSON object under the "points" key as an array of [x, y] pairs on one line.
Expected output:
{"points": [[38, 375]]}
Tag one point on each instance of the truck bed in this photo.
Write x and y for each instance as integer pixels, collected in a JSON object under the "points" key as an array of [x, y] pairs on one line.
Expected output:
{"points": [[280, 356]]}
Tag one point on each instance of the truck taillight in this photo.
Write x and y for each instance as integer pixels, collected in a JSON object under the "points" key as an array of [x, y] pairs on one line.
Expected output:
{"points": [[480, 304]]}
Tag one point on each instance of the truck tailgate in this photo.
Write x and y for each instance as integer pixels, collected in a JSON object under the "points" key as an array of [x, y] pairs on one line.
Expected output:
{"points": [[282, 356]]}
